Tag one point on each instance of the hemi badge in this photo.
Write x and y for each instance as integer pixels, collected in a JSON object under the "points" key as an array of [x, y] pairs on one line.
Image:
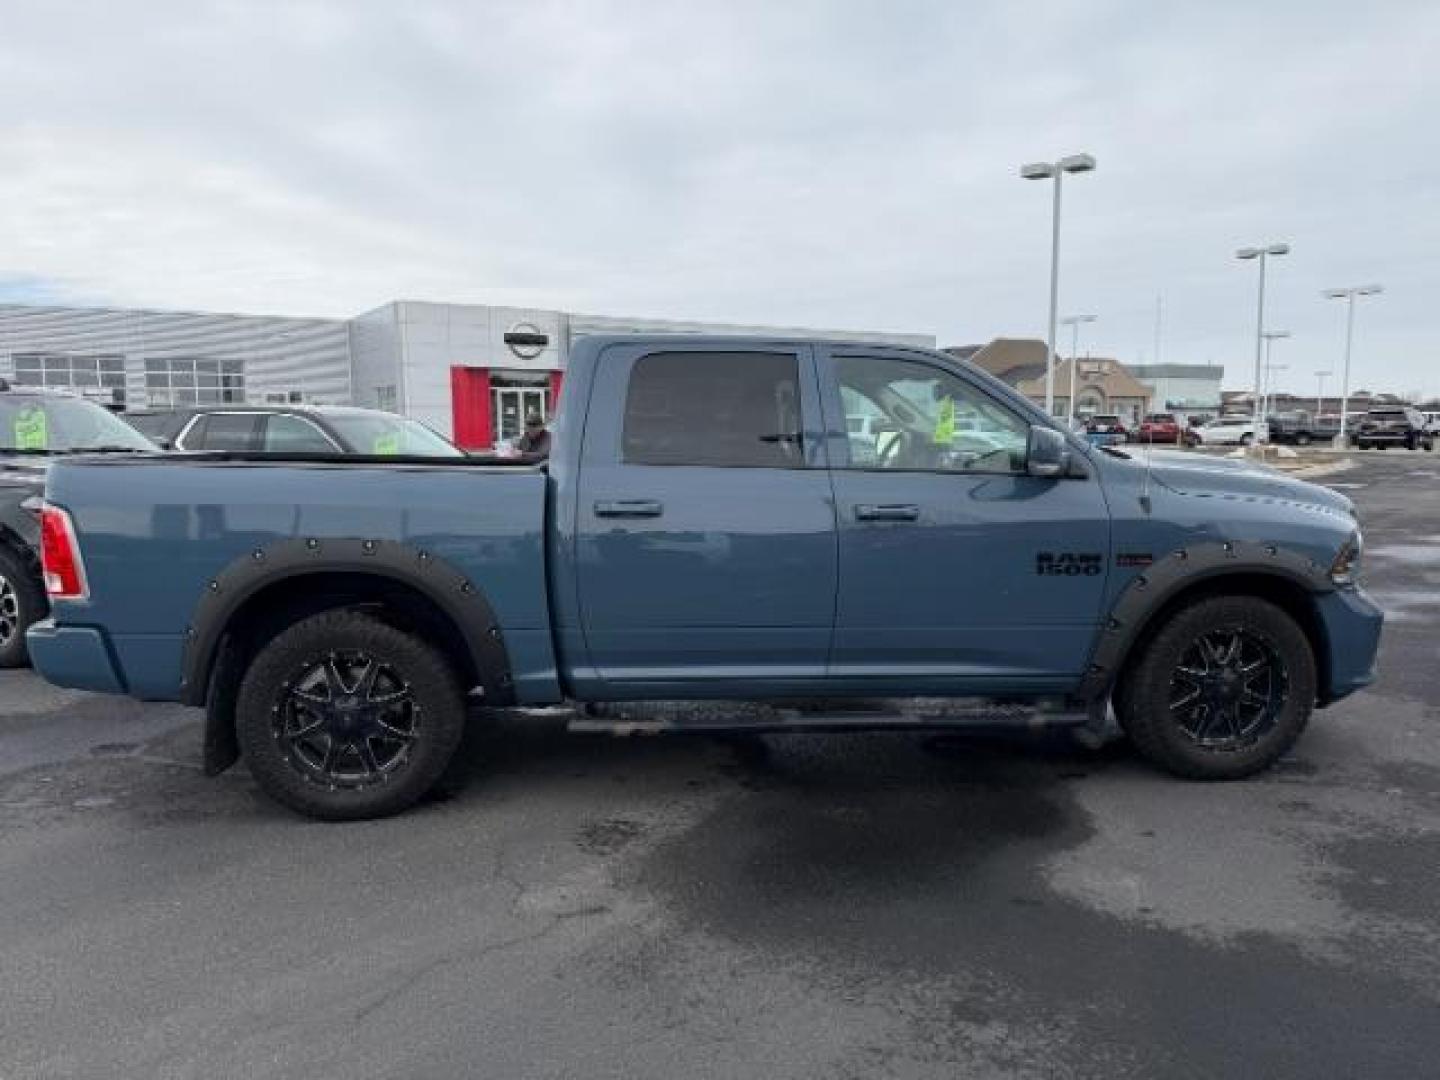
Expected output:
{"points": [[1134, 558]]}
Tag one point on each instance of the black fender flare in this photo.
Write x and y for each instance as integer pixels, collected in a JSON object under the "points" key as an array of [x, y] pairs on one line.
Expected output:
{"points": [[440, 582], [1167, 576]]}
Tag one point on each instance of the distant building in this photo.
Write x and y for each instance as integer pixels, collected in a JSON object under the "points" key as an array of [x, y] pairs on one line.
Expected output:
{"points": [[1184, 389], [471, 371], [1102, 384]]}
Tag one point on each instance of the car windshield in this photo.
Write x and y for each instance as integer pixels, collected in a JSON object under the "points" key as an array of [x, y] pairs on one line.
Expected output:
{"points": [[386, 434], [62, 425]]}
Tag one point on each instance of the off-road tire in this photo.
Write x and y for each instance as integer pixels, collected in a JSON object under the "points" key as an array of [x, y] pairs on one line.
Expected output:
{"points": [[438, 719], [22, 602], [1143, 700]]}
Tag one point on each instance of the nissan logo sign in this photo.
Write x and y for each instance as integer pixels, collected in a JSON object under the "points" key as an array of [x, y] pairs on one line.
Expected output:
{"points": [[526, 340]]}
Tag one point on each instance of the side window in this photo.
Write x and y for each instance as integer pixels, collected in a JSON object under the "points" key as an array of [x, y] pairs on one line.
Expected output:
{"points": [[914, 416], [222, 431], [737, 409], [294, 435]]}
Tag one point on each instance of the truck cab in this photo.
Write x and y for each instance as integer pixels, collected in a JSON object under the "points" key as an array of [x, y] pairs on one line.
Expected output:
{"points": [[711, 524]]}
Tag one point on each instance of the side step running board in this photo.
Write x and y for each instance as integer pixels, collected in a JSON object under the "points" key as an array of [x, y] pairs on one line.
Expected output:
{"points": [[651, 718]]}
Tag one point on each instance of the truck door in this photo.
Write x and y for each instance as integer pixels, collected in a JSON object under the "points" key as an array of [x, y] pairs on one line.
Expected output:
{"points": [[705, 530], [959, 572]]}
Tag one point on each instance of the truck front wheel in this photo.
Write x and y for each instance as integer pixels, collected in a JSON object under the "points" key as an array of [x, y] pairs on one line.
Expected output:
{"points": [[1221, 691], [342, 716]]}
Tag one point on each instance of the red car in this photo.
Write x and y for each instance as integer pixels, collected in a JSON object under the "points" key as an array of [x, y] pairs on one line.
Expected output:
{"points": [[1160, 428]]}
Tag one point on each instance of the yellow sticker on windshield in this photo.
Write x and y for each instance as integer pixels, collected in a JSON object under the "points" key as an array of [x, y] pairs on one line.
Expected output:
{"points": [[387, 444], [945, 423], [32, 429]]}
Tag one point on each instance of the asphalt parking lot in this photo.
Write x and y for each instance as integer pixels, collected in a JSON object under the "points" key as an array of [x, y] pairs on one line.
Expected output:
{"points": [[856, 906]]}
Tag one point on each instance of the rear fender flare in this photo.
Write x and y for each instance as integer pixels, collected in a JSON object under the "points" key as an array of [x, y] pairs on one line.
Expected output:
{"points": [[445, 586], [1160, 582]]}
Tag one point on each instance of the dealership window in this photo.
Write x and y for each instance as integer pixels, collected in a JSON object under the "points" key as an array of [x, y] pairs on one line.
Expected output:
{"points": [[728, 409], [174, 381], [101, 377]]}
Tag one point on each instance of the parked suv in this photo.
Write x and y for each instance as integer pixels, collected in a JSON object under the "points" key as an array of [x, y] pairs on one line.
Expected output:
{"points": [[1164, 428], [36, 425], [1108, 424], [1400, 426], [1302, 429]]}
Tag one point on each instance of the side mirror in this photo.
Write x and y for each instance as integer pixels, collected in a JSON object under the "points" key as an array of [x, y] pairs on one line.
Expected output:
{"points": [[163, 443], [1047, 453]]}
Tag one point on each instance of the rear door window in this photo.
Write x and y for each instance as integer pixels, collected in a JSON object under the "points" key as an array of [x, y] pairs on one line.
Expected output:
{"points": [[736, 409], [234, 432], [295, 435]]}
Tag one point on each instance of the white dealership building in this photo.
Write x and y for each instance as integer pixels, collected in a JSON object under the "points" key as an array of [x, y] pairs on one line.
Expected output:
{"points": [[471, 371]]}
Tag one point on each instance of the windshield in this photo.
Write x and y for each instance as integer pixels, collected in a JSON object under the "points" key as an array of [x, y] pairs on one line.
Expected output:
{"points": [[383, 433], [60, 425]]}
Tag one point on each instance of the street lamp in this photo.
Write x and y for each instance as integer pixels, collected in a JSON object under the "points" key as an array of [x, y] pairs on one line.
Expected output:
{"points": [[1320, 377], [1348, 295], [1074, 321], [1261, 253], [1270, 336], [1075, 163]]}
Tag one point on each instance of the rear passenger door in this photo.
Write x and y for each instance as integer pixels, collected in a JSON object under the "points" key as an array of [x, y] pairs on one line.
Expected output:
{"points": [[705, 538]]}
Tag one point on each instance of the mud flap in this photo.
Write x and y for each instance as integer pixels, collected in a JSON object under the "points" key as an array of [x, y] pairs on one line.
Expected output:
{"points": [[221, 748]]}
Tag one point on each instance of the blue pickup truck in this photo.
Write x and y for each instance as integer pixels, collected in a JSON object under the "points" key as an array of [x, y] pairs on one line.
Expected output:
{"points": [[710, 526]]}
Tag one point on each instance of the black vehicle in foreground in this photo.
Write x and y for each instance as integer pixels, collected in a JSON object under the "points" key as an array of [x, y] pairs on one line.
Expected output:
{"points": [[35, 427], [291, 429], [1399, 426]]}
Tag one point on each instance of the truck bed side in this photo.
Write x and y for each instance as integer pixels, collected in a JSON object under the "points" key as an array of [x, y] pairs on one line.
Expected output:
{"points": [[161, 538]]}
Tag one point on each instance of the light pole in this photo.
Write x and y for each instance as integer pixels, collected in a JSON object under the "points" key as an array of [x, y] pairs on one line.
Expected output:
{"points": [[1348, 295], [1261, 253], [1075, 163], [1320, 377], [1074, 321], [1270, 336]]}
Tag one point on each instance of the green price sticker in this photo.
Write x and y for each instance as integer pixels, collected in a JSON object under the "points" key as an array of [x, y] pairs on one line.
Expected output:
{"points": [[32, 430], [945, 423], [387, 444]]}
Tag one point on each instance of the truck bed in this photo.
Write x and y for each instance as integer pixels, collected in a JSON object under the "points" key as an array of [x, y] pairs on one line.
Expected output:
{"points": [[179, 526]]}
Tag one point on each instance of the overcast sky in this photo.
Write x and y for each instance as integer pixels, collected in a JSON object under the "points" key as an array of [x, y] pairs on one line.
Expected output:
{"points": [[835, 164]]}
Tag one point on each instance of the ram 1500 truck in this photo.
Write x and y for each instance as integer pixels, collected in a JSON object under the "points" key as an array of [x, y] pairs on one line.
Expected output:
{"points": [[710, 525]]}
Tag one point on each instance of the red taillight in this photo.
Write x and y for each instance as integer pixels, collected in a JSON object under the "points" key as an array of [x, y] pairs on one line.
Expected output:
{"points": [[60, 556]]}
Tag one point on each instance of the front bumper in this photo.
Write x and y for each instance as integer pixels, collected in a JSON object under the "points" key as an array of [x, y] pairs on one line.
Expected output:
{"points": [[1352, 622], [73, 656]]}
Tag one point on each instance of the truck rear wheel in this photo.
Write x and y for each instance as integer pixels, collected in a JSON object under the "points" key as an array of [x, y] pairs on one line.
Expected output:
{"points": [[1221, 691], [22, 601], [342, 716]]}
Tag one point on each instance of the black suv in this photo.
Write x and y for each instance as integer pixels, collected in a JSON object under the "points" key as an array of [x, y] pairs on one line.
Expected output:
{"points": [[283, 429], [36, 425], [1398, 426]]}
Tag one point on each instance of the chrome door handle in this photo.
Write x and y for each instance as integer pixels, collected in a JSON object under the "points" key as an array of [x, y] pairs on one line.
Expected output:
{"points": [[634, 508], [887, 512]]}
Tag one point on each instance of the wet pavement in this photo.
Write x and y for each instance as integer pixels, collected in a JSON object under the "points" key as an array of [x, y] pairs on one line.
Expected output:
{"points": [[896, 905]]}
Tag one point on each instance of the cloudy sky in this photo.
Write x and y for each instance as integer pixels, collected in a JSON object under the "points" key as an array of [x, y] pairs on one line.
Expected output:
{"points": [[838, 164]]}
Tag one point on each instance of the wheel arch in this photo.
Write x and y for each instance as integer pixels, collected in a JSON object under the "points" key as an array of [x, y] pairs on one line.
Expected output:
{"points": [[274, 586], [1286, 579]]}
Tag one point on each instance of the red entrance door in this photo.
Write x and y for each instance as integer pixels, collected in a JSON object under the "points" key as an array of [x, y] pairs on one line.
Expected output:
{"points": [[470, 407]]}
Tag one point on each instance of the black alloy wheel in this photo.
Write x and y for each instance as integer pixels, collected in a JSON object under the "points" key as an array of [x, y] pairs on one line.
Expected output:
{"points": [[1221, 690], [344, 716], [348, 720], [1228, 689]]}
